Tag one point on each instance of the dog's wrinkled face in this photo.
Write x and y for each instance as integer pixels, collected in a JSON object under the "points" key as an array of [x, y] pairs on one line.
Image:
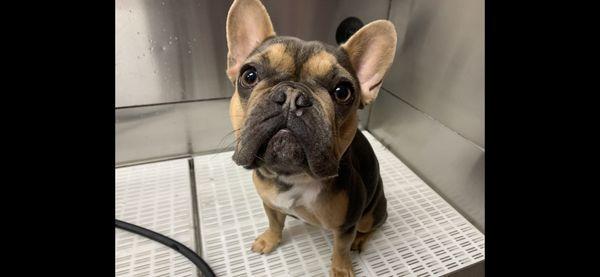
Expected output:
{"points": [[294, 108], [299, 99]]}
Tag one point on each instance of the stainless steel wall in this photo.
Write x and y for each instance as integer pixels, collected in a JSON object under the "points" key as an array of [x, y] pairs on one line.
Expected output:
{"points": [[430, 111], [170, 68], [169, 51]]}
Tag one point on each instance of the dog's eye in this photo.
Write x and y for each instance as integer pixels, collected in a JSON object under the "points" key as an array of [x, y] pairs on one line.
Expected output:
{"points": [[249, 78], [342, 92]]}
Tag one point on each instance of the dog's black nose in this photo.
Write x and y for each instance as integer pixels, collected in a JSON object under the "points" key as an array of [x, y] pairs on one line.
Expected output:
{"points": [[291, 97]]}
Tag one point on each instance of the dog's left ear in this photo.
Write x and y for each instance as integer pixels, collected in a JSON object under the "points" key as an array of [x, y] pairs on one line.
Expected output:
{"points": [[248, 25], [371, 50]]}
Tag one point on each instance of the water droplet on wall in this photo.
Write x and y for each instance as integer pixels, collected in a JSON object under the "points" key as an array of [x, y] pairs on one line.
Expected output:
{"points": [[164, 48]]}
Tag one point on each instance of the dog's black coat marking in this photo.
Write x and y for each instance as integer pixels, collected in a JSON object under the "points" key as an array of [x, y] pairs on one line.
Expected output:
{"points": [[359, 175]]}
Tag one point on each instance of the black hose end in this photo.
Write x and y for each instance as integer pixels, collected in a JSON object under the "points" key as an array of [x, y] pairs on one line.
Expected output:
{"points": [[347, 28]]}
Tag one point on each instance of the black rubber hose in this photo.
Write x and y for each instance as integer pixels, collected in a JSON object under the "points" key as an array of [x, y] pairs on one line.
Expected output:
{"points": [[184, 250]]}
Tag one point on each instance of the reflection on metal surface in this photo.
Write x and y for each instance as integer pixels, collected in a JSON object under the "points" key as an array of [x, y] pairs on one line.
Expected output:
{"points": [[170, 51], [164, 131], [439, 63], [445, 160]]}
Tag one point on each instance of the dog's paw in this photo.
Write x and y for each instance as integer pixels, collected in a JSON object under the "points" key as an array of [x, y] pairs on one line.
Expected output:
{"points": [[341, 271], [266, 242]]}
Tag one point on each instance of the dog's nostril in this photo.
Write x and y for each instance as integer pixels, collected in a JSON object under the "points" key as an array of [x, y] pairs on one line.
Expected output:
{"points": [[303, 101], [291, 98], [279, 97]]}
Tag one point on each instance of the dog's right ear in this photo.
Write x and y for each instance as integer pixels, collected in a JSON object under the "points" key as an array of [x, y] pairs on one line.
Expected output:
{"points": [[248, 25]]}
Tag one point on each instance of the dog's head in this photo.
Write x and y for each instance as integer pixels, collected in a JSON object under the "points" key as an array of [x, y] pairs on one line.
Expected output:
{"points": [[295, 105]]}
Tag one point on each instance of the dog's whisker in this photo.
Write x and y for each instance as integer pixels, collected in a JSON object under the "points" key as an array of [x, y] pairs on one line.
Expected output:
{"points": [[221, 148], [227, 135], [259, 158]]}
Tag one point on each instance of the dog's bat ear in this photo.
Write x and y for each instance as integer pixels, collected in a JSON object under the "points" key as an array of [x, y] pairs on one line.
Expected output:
{"points": [[371, 50], [248, 25]]}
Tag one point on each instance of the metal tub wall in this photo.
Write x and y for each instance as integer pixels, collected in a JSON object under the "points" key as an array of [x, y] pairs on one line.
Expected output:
{"points": [[430, 112], [170, 69]]}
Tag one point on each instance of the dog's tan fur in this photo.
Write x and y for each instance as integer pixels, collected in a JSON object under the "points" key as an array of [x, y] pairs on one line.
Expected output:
{"points": [[236, 114], [318, 64], [278, 58]]}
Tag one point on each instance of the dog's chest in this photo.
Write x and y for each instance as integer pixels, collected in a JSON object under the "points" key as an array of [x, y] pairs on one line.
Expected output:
{"points": [[300, 194], [296, 197]]}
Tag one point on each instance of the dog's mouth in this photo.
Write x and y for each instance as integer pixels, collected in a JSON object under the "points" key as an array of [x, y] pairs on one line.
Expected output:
{"points": [[283, 134], [282, 153], [285, 146]]}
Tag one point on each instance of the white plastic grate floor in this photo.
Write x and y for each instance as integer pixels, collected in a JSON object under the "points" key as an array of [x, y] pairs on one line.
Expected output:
{"points": [[423, 235], [156, 196]]}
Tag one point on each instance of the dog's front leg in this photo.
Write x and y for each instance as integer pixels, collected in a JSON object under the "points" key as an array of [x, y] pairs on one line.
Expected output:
{"points": [[269, 240], [341, 263]]}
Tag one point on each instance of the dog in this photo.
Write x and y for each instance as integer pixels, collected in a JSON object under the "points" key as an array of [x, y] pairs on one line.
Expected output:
{"points": [[295, 121]]}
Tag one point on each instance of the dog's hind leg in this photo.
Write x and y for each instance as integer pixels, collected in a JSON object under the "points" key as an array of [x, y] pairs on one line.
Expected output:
{"points": [[360, 239], [369, 223]]}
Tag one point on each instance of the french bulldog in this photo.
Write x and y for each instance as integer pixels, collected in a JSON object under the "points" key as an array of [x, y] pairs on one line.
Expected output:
{"points": [[294, 114]]}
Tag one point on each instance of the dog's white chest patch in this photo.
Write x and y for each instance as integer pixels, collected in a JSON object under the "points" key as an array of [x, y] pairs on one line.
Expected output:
{"points": [[300, 194]]}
